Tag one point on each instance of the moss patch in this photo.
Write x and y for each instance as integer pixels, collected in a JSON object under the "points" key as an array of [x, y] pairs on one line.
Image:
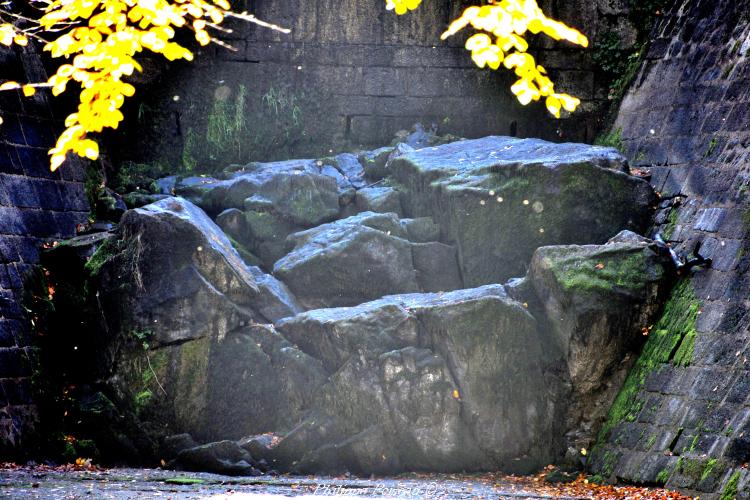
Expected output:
{"points": [[684, 355], [190, 381], [730, 490], [103, 254], [226, 126], [245, 254], [142, 400], [662, 477], [671, 224], [676, 326], [601, 273], [612, 139], [708, 469]]}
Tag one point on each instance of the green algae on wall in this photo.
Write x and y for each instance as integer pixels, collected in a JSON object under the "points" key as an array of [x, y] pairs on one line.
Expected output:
{"points": [[673, 334], [226, 124], [730, 490]]}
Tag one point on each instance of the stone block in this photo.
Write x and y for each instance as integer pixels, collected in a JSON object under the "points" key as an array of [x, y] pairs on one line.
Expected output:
{"points": [[17, 391], [384, 82], [11, 221], [9, 163], [673, 410], [65, 223], [10, 101], [709, 219], [11, 131], [73, 196], [711, 384], [7, 332], [14, 363], [21, 191], [49, 195], [739, 392], [27, 249], [35, 162], [38, 132], [4, 278]]}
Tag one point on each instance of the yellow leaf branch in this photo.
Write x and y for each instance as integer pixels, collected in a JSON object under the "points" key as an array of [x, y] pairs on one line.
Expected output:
{"points": [[99, 42], [500, 41]]}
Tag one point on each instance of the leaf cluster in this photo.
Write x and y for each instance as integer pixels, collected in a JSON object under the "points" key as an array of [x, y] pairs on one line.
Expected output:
{"points": [[99, 41], [500, 41]]}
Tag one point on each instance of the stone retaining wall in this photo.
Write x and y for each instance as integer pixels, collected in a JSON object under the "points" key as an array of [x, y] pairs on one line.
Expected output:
{"points": [[352, 74], [689, 114], [35, 205]]}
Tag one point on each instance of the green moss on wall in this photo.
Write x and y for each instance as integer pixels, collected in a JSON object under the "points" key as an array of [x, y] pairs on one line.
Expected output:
{"points": [[227, 126], [141, 401], [612, 139], [189, 150], [675, 327], [730, 490], [684, 355], [662, 477], [708, 469], [671, 224]]}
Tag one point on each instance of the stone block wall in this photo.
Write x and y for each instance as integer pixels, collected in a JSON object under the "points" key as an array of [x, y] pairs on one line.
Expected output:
{"points": [[352, 74], [36, 205], [687, 117]]}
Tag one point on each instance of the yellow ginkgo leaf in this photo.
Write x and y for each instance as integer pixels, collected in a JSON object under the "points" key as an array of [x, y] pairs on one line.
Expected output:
{"points": [[509, 21], [553, 106], [203, 37], [29, 90], [7, 33]]}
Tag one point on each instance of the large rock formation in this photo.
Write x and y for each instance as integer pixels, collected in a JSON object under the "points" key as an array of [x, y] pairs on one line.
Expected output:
{"points": [[500, 198], [454, 381], [364, 257], [397, 363], [190, 323], [598, 301]]}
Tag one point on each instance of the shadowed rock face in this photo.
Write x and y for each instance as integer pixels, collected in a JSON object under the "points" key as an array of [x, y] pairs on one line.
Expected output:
{"points": [[174, 281], [382, 354], [439, 375], [598, 300]]}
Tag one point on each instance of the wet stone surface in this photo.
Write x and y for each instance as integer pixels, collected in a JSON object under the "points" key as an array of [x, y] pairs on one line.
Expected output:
{"points": [[64, 483], [153, 483]]}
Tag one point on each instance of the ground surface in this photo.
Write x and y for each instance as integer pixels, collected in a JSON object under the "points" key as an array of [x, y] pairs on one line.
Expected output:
{"points": [[73, 483]]}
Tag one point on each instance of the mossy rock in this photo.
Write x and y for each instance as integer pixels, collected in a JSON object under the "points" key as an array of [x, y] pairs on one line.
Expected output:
{"points": [[500, 198]]}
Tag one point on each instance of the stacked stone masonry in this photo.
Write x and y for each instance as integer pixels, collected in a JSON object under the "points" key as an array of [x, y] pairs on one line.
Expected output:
{"points": [[688, 116], [353, 74], [36, 205]]}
